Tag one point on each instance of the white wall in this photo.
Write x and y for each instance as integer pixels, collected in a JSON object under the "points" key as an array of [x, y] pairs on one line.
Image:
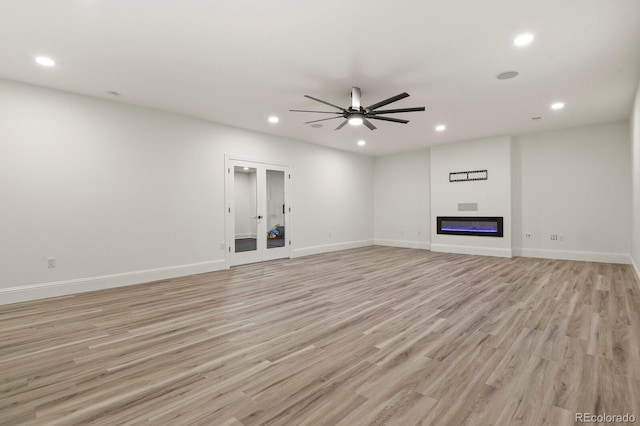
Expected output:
{"points": [[575, 183], [492, 195], [562, 182], [635, 194], [402, 199], [121, 194]]}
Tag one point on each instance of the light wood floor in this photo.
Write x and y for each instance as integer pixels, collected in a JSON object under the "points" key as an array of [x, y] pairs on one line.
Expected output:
{"points": [[368, 336]]}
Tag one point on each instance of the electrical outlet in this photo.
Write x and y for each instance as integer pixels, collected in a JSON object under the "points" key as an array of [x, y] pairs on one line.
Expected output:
{"points": [[51, 262], [221, 246], [527, 235], [329, 234], [560, 237], [554, 237]]}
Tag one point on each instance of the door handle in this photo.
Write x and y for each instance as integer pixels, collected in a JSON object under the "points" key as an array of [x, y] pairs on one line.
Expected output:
{"points": [[258, 217]]}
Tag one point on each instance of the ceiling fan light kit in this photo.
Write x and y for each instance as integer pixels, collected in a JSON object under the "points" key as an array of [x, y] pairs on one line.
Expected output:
{"points": [[356, 120], [357, 115]]}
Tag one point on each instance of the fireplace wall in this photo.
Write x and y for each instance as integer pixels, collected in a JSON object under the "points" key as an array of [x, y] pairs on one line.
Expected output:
{"points": [[476, 198]]}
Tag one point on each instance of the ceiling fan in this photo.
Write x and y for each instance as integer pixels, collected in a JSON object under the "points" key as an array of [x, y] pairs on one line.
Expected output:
{"points": [[357, 115]]}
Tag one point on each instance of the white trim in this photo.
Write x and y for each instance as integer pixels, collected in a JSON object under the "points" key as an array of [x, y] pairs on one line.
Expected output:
{"points": [[424, 245], [308, 251], [635, 268], [481, 251], [247, 235], [81, 285], [586, 256], [231, 157]]}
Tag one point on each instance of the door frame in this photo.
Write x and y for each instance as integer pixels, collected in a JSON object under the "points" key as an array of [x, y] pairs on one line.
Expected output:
{"points": [[229, 201]]}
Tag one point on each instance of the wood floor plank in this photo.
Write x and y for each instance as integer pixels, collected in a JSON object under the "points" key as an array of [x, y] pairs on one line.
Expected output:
{"points": [[376, 335]]}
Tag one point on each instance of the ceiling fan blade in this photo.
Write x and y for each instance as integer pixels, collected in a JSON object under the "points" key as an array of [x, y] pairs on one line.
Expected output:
{"points": [[321, 112], [388, 101], [369, 124], [326, 103], [395, 120], [322, 119], [342, 125], [395, 111]]}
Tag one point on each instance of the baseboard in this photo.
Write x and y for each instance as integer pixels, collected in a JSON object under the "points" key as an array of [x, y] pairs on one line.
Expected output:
{"points": [[82, 285], [636, 269], [585, 256], [480, 251], [308, 251], [403, 244]]}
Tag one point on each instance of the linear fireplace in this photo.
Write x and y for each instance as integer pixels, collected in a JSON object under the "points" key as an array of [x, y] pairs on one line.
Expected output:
{"points": [[469, 225]]}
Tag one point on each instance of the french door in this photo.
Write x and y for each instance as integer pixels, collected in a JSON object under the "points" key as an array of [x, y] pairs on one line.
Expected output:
{"points": [[258, 213]]}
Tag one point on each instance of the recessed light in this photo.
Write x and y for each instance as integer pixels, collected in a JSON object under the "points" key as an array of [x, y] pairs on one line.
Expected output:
{"points": [[45, 61], [362, 143], [557, 105], [441, 128], [273, 119], [538, 118], [245, 169], [507, 75], [523, 39], [317, 125]]}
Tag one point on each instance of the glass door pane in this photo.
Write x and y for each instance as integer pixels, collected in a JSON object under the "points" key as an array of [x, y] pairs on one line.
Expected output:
{"points": [[276, 226], [245, 193]]}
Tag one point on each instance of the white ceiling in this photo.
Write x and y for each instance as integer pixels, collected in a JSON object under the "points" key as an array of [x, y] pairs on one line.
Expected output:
{"points": [[238, 61]]}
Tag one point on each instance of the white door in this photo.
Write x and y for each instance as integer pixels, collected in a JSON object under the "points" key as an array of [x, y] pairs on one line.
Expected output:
{"points": [[258, 212]]}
